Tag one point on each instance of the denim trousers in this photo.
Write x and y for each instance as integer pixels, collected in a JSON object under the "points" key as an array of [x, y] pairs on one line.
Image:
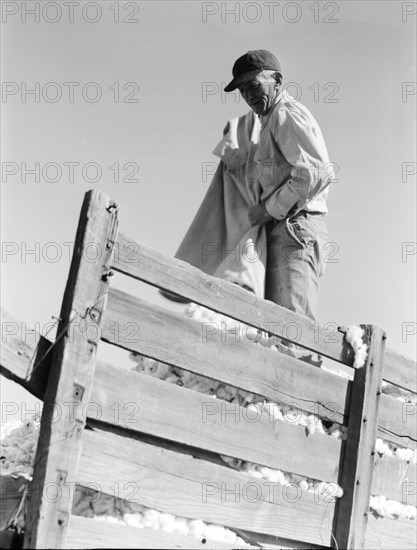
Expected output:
{"points": [[295, 262]]}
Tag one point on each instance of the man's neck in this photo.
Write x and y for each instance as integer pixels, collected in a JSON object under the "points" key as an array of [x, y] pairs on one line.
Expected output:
{"points": [[276, 100]]}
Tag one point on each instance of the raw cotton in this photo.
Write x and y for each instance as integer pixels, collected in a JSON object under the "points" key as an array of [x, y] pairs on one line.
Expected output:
{"points": [[354, 336]]}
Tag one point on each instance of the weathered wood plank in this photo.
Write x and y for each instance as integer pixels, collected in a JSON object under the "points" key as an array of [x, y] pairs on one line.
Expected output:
{"points": [[176, 339], [395, 479], [25, 355], [145, 404], [70, 380], [390, 534], [358, 455], [278, 377], [278, 543], [397, 421], [148, 265], [198, 489], [400, 370], [92, 533]]}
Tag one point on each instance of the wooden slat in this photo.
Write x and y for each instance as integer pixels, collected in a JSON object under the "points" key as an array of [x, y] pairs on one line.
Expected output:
{"points": [[70, 379], [390, 534], [145, 404], [197, 489], [20, 354], [176, 339], [358, 456], [395, 479], [396, 423], [278, 543], [145, 264], [91, 533], [279, 377], [400, 370]]}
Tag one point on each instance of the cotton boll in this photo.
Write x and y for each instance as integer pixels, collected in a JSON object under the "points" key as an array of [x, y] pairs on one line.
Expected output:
{"points": [[302, 420], [394, 507], [230, 537], [405, 454], [279, 477], [253, 408], [215, 532], [163, 371], [264, 341], [379, 505], [296, 478], [265, 472], [252, 334], [274, 412], [320, 428], [188, 378], [82, 508], [321, 488], [173, 379], [276, 476], [222, 393], [135, 357], [203, 385], [197, 315], [167, 523], [109, 519], [104, 505], [244, 396], [232, 391], [133, 520], [197, 528], [411, 512], [354, 337], [181, 526], [382, 447], [312, 423], [151, 519]]}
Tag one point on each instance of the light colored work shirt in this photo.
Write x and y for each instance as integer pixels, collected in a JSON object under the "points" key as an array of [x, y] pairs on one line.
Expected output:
{"points": [[291, 163]]}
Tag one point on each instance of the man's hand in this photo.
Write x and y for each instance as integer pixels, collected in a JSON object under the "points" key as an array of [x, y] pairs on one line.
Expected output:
{"points": [[258, 215], [233, 157]]}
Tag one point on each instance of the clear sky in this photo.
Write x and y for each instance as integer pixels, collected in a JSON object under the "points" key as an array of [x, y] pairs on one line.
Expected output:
{"points": [[143, 86]]}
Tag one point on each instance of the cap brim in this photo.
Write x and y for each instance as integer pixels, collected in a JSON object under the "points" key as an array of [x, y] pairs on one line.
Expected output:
{"points": [[245, 77]]}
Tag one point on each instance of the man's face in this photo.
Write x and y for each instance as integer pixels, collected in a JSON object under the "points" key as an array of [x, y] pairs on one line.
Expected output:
{"points": [[259, 93]]}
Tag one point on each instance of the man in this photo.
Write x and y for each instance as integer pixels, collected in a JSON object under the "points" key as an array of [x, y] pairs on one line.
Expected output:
{"points": [[293, 168]]}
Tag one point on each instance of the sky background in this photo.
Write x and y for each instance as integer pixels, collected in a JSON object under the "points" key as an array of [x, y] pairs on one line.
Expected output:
{"points": [[351, 63]]}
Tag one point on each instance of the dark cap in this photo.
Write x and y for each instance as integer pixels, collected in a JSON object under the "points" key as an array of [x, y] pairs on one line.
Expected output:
{"points": [[249, 64]]}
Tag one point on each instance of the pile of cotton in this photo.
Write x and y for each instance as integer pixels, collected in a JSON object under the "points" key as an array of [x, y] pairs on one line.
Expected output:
{"points": [[105, 507], [18, 442], [354, 336], [18, 448], [277, 412], [382, 506]]}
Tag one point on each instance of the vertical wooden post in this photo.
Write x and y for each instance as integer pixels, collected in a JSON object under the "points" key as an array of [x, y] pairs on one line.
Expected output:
{"points": [[71, 374], [359, 450]]}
